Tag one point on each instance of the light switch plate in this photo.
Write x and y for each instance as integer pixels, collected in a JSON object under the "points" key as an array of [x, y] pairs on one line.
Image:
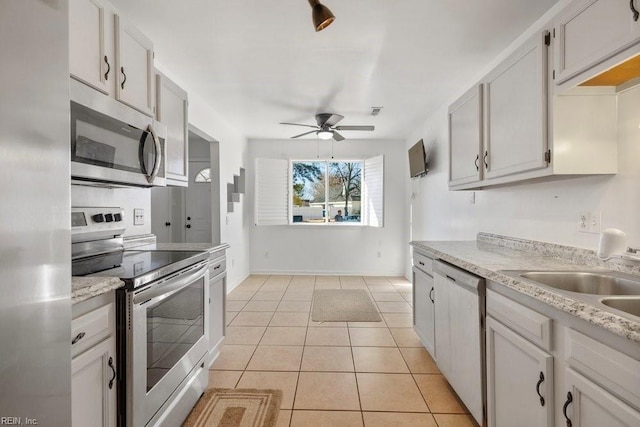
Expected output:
{"points": [[138, 217]]}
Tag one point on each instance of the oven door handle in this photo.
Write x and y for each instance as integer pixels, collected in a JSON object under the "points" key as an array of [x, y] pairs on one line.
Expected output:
{"points": [[171, 286]]}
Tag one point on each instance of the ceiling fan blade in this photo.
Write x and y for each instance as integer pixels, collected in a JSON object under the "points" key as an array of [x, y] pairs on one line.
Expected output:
{"points": [[303, 134], [326, 119], [299, 124], [337, 136], [355, 127]]}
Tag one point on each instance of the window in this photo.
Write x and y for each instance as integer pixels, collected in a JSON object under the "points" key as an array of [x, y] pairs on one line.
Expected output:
{"points": [[319, 192], [326, 191], [204, 175]]}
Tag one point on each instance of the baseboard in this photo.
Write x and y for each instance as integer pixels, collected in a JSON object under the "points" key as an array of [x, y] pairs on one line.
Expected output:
{"points": [[242, 279]]}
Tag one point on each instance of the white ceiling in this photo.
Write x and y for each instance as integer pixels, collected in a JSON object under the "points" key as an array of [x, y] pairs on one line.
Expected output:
{"points": [[260, 62]]}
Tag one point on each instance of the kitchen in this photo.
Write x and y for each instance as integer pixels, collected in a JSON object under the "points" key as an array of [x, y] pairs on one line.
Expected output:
{"points": [[542, 211]]}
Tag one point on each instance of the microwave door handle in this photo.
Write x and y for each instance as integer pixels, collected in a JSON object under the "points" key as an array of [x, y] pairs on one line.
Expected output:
{"points": [[156, 165]]}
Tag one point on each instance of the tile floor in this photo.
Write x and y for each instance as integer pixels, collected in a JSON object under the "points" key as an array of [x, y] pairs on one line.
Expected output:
{"points": [[338, 374]]}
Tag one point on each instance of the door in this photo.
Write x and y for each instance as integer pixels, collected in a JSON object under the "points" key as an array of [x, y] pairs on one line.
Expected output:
{"points": [[515, 99], [91, 58], [198, 203], [591, 31], [519, 380], [93, 400], [465, 138], [423, 304], [134, 53], [589, 405]]}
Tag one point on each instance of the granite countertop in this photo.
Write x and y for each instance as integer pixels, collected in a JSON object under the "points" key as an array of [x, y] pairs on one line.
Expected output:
{"points": [[83, 288], [491, 254]]}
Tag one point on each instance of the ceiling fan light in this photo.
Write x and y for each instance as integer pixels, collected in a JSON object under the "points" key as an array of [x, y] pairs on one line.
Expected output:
{"points": [[322, 16], [325, 134]]}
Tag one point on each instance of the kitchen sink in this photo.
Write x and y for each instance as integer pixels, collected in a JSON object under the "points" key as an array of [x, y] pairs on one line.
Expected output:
{"points": [[595, 283], [628, 305]]}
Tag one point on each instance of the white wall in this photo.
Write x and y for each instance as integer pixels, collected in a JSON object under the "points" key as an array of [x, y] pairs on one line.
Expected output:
{"points": [[541, 211], [348, 250]]}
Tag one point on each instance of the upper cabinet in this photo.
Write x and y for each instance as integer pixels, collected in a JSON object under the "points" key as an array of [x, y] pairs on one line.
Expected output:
{"points": [[110, 55], [465, 138], [515, 111], [171, 110], [589, 32], [91, 56]]}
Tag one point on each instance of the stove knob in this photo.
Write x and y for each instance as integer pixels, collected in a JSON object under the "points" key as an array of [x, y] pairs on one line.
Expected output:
{"points": [[108, 217], [117, 217], [98, 218]]}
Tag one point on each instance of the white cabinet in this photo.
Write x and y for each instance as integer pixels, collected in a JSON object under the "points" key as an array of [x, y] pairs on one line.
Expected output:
{"points": [[91, 50], [590, 31], [134, 63], [519, 380], [515, 111], [171, 110], [93, 363], [110, 55], [217, 308], [424, 309], [93, 388], [465, 138], [589, 405]]}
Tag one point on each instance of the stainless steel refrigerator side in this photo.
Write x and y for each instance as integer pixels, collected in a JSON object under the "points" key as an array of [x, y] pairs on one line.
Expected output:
{"points": [[35, 250]]}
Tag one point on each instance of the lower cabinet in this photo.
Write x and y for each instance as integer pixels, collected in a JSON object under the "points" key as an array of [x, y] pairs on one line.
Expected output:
{"points": [[93, 363], [519, 380], [217, 309], [424, 309], [589, 405]]}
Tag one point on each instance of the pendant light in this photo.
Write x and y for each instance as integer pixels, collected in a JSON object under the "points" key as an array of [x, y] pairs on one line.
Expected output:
{"points": [[322, 16]]}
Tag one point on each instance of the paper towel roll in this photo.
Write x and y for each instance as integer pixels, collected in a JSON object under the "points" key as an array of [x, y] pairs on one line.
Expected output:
{"points": [[612, 241]]}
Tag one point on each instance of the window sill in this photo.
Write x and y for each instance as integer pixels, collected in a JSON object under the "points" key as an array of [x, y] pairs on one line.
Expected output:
{"points": [[328, 224]]}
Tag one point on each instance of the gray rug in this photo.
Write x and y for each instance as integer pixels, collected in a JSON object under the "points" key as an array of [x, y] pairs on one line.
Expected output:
{"points": [[343, 305]]}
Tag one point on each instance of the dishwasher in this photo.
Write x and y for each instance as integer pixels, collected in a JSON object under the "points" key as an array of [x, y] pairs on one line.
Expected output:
{"points": [[459, 331]]}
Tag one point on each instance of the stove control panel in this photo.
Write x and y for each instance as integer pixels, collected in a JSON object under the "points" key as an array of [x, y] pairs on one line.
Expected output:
{"points": [[96, 222]]}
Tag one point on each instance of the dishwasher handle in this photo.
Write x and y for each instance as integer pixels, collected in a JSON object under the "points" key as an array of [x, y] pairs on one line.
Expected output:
{"points": [[459, 277]]}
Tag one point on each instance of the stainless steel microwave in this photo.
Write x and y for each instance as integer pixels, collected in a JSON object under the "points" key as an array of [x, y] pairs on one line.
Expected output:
{"points": [[112, 144]]}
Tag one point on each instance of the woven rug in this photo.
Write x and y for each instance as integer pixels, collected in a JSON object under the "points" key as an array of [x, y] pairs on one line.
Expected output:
{"points": [[343, 305], [227, 407]]}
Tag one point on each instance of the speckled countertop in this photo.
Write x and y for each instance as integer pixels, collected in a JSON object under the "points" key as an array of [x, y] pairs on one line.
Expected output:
{"points": [[491, 254], [83, 288]]}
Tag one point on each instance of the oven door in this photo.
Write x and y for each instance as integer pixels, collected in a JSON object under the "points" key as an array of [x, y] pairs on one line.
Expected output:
{"points": [[168, 339]]}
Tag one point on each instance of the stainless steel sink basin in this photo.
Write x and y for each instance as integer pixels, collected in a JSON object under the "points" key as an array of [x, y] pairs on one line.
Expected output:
{"points": [[628, 305], [596, 283]]}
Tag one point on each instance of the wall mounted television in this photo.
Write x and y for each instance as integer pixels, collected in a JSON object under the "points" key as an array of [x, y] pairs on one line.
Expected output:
{"points": [[417, 160]]}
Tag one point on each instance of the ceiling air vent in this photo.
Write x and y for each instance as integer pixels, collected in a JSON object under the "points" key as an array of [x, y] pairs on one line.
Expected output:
{"points": [[375, 111]]}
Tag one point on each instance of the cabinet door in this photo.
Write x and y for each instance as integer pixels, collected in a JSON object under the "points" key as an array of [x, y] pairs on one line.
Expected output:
{"points": [[591, 31], [217, 295], [515, 99], [91, 58], [171, 110], [134, 54], [442, 325], [592, 406], [519, 375], [423, 305], [93, 403], [465, 138]]}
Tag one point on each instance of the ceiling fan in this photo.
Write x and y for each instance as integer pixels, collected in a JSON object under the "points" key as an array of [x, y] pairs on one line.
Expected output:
{"points": [[326, 127]]}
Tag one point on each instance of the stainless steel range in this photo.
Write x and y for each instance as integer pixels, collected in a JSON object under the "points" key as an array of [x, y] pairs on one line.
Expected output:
{"points": [[161, 329]]}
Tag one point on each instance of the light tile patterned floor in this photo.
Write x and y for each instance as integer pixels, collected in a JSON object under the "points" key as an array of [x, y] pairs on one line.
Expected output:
{"points": [[347, 374]]}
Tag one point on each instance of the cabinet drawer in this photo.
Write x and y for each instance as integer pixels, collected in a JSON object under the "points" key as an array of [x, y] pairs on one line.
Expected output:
{"points": [[530, 324], [608, 367], [423, 263], [91, 328], [217, 266]]}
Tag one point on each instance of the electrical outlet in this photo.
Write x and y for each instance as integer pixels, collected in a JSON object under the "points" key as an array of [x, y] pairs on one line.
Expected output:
{"points": [[138, 217], [473, 198], [583, 222], [595, 222]]}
